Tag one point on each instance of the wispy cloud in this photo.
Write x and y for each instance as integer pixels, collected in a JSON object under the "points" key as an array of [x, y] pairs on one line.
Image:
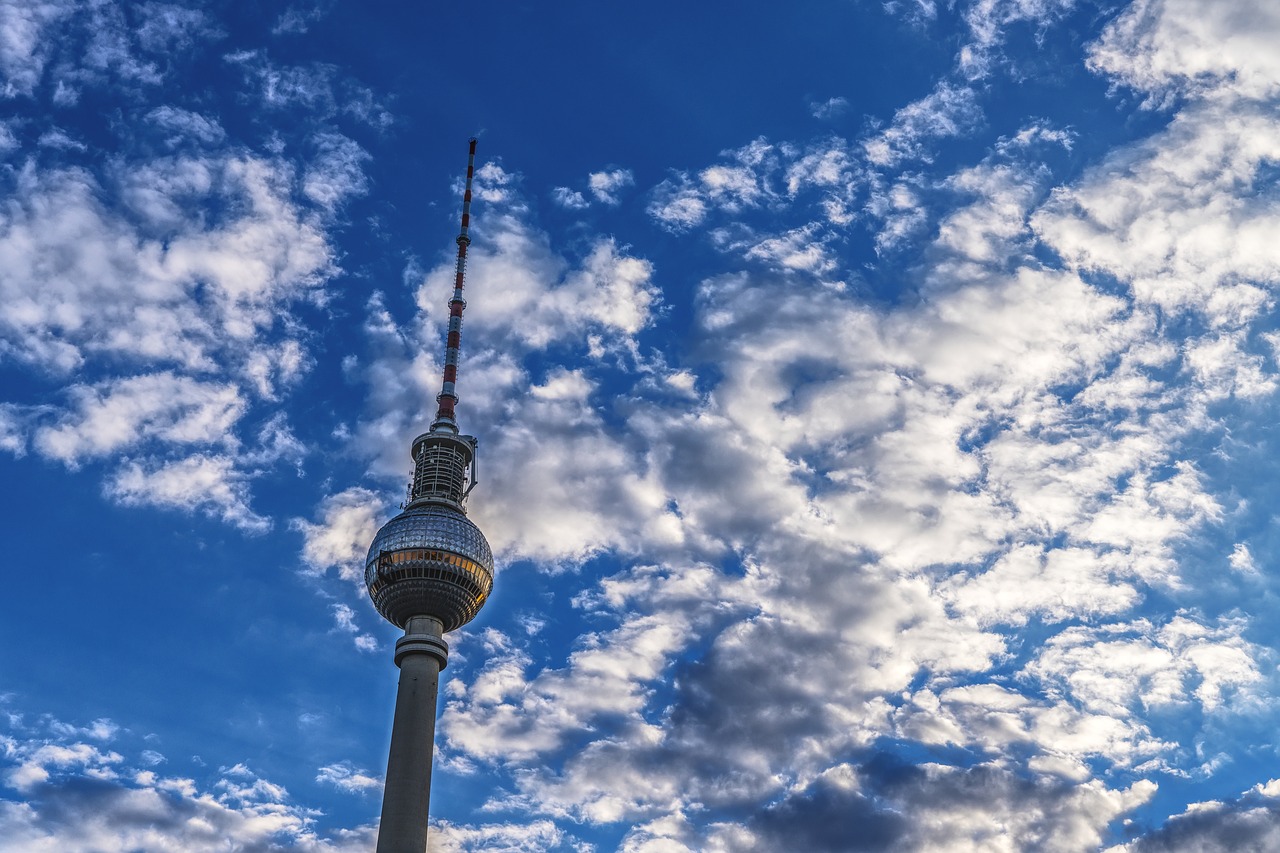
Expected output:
{"points": [[830, 108], [605, 185], [213, 484], [346, 777]]}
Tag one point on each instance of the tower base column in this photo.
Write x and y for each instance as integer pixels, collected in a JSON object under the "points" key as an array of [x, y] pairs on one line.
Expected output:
{"points": [[421, 653]]}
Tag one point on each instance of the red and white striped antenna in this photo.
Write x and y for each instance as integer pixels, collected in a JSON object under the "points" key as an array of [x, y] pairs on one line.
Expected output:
{"points": [[448, 397]]}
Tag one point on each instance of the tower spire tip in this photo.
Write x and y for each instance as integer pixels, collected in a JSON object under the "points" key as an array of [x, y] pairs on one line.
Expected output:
{"points": [[448, 398]]}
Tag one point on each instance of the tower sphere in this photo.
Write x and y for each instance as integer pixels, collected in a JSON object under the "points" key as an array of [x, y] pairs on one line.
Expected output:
{"points": [[429, 560]]}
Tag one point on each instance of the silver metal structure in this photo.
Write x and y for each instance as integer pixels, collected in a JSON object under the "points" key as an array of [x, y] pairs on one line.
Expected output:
{"points": [[429, 570]]}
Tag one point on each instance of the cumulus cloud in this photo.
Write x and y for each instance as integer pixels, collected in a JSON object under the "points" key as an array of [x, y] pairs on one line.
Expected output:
{"points": [[1179, 216], [1166, 48], [1124, 669], [533, 296], [38, 764], [83, 281], [678, 205], [866, 808], [165, 277], [1248, 822], [78, 797], [340, 539], [526, 718], [900, 210], [13, 430], [118, 414]]}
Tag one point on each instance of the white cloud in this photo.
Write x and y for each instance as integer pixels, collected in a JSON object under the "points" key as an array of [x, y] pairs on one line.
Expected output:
{"points": [[990, 21], [137, 809], [1165, 48], [340, 539], [107, 46], [677, 204], [13, 430], [1018, 815], [39, 763], [800, 249], [610, 502], [917, 11], [8, 140], [170, 28], [101, 729], [731, 187], [605, 185], [1057, 585], [1248, 822], [523, 837], [24, 48], [828, 166], [270, 367], [947, 111], [742, 182], [345, 777], [212, 484], [297, 19], [336, 173], [345, 618], [184, 309], [82, 281], [900, 210], [58, 140], [1241, 559], [1101, 685], [569, 199], [533, 297], [501, 715], [122, 413], [318, 88], [187, 125], [830, 108], [1178, 216]]}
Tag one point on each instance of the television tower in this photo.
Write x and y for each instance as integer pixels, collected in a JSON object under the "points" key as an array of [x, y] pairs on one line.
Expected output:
{"points": [[429, 571]]}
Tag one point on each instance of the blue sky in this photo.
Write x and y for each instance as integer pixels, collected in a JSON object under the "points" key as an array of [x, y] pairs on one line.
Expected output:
{"points": [[875, 405]]}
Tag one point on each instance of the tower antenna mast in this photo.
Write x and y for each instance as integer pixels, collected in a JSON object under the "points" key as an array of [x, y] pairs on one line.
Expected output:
{"points": [[429, 571], [448, 398]]}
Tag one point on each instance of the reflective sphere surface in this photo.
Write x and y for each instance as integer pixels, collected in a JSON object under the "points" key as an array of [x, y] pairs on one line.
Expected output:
{"points": [[429, 560]]}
